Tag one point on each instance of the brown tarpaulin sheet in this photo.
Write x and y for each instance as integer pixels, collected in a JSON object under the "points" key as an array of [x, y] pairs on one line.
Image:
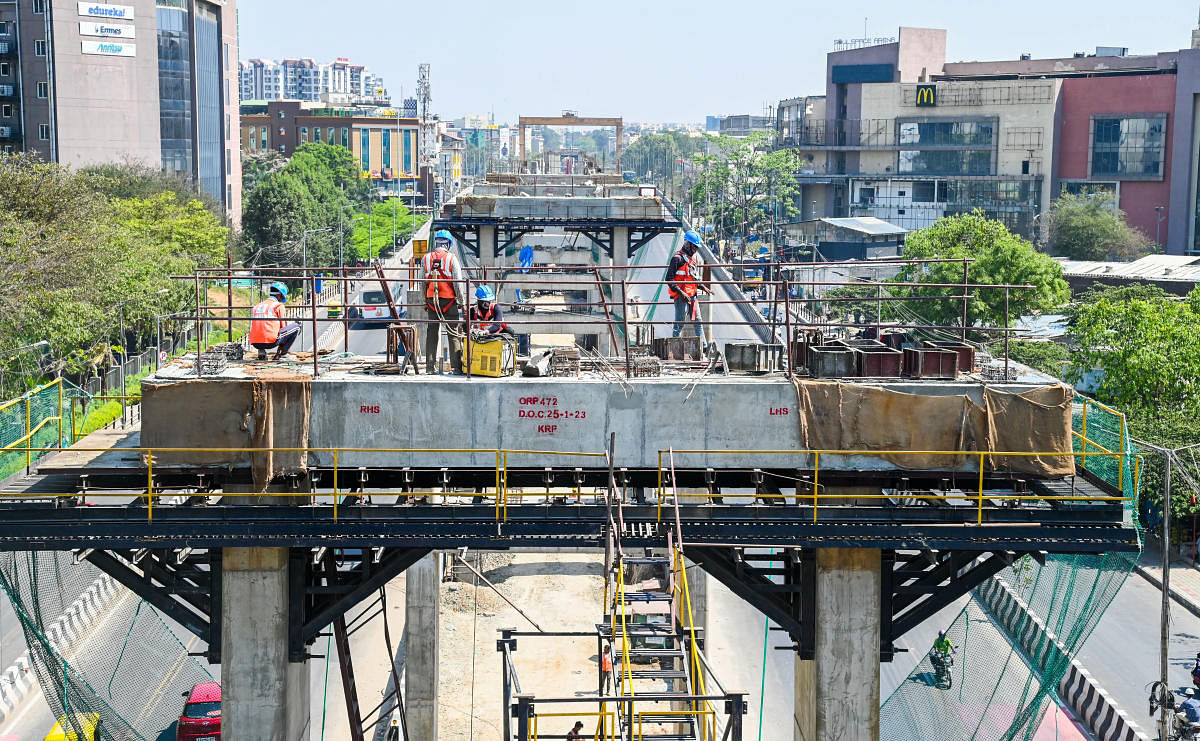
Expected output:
{"points": [[230, 413], [845, 416]]}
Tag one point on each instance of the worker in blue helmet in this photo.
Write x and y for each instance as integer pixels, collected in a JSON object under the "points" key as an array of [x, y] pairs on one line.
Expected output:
{"points": [[443, 305], [486, 315], [683, 285], [266, 324]]}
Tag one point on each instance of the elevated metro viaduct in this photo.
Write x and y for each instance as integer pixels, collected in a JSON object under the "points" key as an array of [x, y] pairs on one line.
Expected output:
{"points": [[279, 469]]}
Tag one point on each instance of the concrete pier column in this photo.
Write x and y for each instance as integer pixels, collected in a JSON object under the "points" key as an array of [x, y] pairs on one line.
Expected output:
{"points": [[421, 639], [264, 696], [620, 259], [837, 695]]}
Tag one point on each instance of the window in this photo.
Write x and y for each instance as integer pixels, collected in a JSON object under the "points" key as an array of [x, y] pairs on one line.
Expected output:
{"points": [[227, 129], [4, 28], [252, 142], [264, 138], [5, 70], [365, 149], [330, 137], [282, 114], [317, 134], [923, 192], [228, 162], [39, 6], [44, 132], [946, 161], [39, 48], [228, 190], [43, 90], [1128, 146], [346, 138], [947, 133], [303, 134], [6, 111]]}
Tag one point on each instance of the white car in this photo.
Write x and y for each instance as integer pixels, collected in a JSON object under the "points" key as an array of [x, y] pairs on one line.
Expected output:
{"points": [[375, 307]]}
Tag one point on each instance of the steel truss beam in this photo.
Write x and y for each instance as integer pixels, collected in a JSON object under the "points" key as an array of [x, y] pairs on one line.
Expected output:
{"points": [[912, 588], [187, 587]]}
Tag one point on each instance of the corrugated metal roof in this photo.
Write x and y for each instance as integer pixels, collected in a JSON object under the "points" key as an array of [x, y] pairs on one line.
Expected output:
{"points": [[1151, 267], [866, 225]]}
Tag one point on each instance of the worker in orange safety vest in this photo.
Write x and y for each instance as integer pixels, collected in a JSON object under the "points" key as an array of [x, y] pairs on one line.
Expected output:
{"points": [[682, 286], [267, 328], [443, 277]]}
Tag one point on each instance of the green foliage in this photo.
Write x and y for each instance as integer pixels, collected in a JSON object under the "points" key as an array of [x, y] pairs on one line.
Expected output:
{"points": [[551, 139], [79, 250], [1091, 227], [1148, 350], [134, 180], [1050, 358], [372, 238], [745, 185], [999, 257], [654, 157], [258, 165], [298, 214]]}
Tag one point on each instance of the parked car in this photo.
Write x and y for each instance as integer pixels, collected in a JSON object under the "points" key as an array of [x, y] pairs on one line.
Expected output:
{"points": [[87, 723], [201, 716]]}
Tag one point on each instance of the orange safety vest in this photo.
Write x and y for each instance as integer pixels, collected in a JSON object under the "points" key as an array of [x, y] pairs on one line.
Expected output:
{"points": [[439, 264], [266, 318], [682, 278], [606, 662], [483, 321]]}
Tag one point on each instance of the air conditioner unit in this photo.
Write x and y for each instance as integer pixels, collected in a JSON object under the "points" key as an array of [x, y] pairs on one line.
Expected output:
{"points": [[6, 90], [5, 132], [3, 47]]}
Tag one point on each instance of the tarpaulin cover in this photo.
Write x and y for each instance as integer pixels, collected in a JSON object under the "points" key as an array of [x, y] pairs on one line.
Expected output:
{"points": [[230, 413], [845, 416]]}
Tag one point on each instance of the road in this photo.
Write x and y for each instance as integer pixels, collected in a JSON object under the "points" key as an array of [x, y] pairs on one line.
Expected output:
{"points": [[1122, 652]]}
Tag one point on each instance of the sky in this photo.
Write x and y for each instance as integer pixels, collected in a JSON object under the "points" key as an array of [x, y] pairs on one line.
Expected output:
{"points": [[664, 60]]}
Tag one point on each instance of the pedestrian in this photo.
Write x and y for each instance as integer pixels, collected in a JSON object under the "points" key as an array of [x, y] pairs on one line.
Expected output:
{"points": [[574, 735], [606, 670], [682, 286], [443, 277], [266, 320]]}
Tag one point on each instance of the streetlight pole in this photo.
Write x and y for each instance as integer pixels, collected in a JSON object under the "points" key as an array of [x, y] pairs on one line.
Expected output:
{"points": [[1158, 212]]}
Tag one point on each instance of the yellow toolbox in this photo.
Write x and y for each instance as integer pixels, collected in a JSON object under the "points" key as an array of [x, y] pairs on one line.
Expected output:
{"points": [[495, 358]]}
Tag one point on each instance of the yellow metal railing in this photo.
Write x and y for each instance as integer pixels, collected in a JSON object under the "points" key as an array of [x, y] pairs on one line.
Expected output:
{"points": [[705, 719], [606, 725], [981, 465], [22, 443]]}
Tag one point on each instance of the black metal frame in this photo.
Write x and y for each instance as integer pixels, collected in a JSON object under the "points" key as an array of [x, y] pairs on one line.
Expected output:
{"points": [[600, 231], [322, 586]]}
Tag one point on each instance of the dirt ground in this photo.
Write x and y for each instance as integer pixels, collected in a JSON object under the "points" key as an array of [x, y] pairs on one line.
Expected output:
{"points": [[560, 592]]}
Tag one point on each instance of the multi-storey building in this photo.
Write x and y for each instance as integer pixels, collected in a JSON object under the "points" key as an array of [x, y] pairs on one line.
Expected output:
{"points": [[384, 144], [902, 135], [154, 81], [338, 82]]}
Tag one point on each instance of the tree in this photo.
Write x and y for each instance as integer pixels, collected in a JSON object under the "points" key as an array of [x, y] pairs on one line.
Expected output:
{"points": [[132, 179], [1146, 349], [371, 240], [342, 167], [1050, 358], [257, 166], [745, 186], [551, 139], [997, 257], [1089, 226]]}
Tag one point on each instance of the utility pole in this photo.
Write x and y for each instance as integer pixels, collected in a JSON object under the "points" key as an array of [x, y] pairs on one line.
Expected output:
{"points": [[1164, 625]]}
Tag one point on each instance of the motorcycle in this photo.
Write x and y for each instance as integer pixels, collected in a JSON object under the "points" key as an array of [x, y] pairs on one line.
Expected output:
{"points": [[942, 661], [1182, 729]]}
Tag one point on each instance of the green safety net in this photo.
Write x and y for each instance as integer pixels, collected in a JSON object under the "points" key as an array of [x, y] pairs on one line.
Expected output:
{"points": [[32, 421], [100, 654], [1006, 673]]}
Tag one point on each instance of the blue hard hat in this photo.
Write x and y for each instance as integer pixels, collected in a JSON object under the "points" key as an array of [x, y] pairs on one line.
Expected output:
{"points": [[691, 235], [483, 293], [281, 289], [441, 235]]}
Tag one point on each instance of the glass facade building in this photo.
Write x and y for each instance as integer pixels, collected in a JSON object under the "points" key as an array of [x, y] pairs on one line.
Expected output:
{"points": [[175, 86], [211, 161]]}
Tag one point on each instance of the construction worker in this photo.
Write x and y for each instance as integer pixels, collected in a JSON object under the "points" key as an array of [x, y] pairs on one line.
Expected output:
{"points": [[267, 318], [443, 277], [682, 285], [486, 316], [606, 669]]}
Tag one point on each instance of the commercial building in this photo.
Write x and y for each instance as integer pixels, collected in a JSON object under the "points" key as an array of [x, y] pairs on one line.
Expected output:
{"points": [[151, 80], [904, 136], [384, 144], [744, 125], [338, 82], [859, 238]]}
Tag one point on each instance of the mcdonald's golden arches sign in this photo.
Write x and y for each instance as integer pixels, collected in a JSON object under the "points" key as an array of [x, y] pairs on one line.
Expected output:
{"points": [[926, 96]]}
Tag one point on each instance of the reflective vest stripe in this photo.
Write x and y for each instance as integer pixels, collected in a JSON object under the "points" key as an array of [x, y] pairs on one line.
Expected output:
{"points": [[683, 280], [264, 327]]}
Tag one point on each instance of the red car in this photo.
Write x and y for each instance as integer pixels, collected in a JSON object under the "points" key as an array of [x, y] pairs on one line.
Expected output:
{"points": [[201, 716]]}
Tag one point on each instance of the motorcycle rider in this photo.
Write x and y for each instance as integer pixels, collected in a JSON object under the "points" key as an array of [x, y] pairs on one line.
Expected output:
{"points": [[943, 645], [1187, 715]]}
